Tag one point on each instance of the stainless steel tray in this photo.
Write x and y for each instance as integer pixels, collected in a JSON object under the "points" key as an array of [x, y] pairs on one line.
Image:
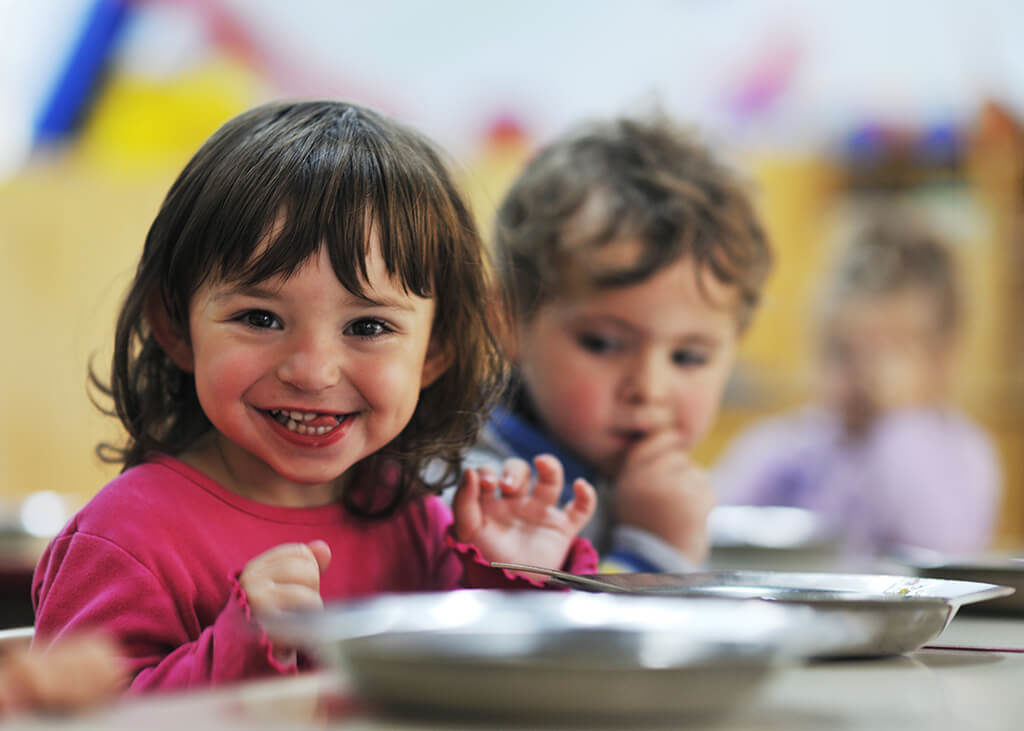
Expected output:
{"points": [[559, 654], [1005, 571], [886, 615]]}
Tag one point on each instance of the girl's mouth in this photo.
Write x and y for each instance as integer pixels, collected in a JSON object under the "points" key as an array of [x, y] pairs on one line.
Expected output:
{"points": [[307, 423]]}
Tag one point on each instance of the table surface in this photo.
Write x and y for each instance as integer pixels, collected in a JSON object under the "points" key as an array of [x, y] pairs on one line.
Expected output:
{"points": [[957, 682]]}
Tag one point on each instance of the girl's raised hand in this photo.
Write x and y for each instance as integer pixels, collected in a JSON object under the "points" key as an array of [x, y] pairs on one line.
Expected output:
{"points": [[509, 522], [285, 578]]}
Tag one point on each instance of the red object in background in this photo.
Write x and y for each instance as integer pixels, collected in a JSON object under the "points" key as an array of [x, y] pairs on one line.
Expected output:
{"points": [[506, 129]]}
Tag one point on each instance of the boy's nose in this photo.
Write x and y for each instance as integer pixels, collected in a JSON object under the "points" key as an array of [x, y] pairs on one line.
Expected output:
{"points": [[313, 363], [647, 379]]}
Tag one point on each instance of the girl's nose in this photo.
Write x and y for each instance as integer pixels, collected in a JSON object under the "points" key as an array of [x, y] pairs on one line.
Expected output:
{"points": [[313, 363], [647, 378]]}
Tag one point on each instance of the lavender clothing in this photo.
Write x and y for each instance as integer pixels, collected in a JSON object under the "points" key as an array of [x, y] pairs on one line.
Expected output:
{"points": [[926, 478]]}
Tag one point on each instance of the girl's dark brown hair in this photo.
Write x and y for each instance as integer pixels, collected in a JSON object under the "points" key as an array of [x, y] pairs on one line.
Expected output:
{"points": [[258, 200], [627, 179]]}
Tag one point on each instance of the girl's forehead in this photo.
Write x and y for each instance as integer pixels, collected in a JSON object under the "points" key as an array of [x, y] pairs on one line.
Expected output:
{"points": [[909, 312]]}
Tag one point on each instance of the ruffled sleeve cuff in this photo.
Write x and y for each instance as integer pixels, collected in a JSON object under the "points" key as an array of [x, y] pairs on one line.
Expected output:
{"points": [[477, 572], [238, 612]]}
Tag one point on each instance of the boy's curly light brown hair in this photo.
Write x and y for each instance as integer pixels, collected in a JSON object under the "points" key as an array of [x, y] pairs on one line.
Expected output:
{"points": [[646, 181]]}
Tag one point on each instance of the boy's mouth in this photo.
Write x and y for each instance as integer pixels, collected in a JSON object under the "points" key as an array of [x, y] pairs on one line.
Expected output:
{"points": [[631, 435], [310, 423]]}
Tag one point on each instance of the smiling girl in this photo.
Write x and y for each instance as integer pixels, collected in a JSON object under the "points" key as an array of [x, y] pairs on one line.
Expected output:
{"points": [[302, 336]]}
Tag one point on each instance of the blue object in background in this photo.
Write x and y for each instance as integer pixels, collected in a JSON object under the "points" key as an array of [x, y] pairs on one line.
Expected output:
{"points": [[76, 82], [941, 144], [866, 144]]}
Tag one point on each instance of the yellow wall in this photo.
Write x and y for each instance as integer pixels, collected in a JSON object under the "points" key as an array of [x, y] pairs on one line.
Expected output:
{"points": [[70, 240]]}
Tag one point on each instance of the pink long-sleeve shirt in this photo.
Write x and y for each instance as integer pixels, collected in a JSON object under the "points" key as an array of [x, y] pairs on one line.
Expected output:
{"points": [[153, 561]]}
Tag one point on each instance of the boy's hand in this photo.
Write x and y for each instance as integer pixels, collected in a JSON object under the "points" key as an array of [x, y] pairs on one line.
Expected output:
{"points": [[660, 490], [508, 522], [285, 578]]}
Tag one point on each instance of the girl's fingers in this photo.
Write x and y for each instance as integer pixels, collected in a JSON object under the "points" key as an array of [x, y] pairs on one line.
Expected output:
{"points": [[321, 552], [488, 479], [295, 597], [549, 479], [295, 563], [583, 503], [301, 569], [515, 476], [466, 505]]}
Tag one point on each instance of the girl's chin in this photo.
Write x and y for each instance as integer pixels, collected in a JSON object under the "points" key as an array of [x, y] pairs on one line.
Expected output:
{"points": [[308, 478]]}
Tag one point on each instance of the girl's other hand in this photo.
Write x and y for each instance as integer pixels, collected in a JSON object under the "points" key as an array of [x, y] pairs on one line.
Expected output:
{"points": [[285, 578], [70, 674], [508, 521], [660, 490]]}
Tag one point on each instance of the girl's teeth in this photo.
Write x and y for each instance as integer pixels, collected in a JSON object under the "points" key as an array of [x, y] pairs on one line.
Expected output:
{"points": [[295, 421], [307, 430], [301, 416]]}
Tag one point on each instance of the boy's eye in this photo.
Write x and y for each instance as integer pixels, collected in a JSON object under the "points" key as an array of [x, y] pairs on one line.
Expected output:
{"points": [[596, 343], [688, 358], [260, 319], [367, 328]]}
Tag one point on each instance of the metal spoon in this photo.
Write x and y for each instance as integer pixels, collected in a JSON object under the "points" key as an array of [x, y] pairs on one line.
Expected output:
{"points": [[576, 581]]}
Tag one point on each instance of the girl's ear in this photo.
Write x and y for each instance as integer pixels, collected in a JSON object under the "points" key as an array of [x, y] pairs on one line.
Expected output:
{"points": [[439, 357], [170, 337]]}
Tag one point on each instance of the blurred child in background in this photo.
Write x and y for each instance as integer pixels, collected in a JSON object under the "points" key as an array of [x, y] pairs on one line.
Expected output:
{"points": [[633, 261], [883, 459], [304, 332]]}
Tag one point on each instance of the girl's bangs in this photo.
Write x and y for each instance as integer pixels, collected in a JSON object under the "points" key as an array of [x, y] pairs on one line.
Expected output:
{"points": [[351, 201]]}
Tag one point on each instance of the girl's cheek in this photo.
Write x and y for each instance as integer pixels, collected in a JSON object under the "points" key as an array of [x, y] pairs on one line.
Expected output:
{"points": [[385, 379]]}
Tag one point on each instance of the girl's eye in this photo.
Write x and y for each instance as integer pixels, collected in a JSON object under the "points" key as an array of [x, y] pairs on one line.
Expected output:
{"points": [[367, 328], [597, 343], [260, 319], [688, 358]]}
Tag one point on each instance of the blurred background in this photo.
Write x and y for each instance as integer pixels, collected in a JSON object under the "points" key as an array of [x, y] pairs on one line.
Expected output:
{"points": [[826, 108]]}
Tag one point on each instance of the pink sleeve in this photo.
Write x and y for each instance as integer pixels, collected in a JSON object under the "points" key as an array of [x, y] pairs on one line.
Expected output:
{"points": [[85, 582]]}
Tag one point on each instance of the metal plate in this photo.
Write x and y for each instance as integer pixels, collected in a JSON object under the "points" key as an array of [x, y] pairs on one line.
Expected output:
{"points": [[887, 614], [1008, 572], [559, 654]]}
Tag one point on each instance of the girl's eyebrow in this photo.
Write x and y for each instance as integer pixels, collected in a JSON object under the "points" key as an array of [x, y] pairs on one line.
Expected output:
{"points": [[405, 303], [258, 291]]}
